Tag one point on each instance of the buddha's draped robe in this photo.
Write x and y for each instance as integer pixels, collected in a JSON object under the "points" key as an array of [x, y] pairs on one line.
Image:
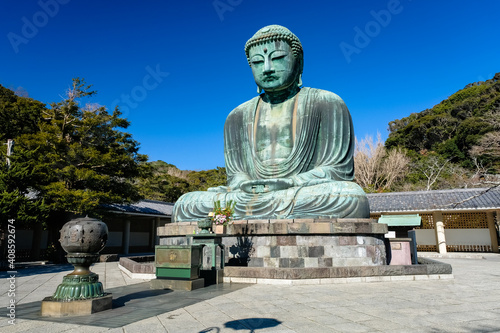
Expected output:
{"points": [[320, 164]]}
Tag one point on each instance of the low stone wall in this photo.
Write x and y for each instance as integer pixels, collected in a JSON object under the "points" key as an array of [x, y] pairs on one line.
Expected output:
{"points": [[139, 265], [108, 257], [299, 243]]}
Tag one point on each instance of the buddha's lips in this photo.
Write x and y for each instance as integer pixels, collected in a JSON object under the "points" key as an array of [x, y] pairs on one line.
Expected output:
{"points": [[269, 78]]}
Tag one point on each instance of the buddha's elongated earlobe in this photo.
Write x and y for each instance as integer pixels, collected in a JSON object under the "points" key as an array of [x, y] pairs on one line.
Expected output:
{"points": [[259, 90], [300, 81]]}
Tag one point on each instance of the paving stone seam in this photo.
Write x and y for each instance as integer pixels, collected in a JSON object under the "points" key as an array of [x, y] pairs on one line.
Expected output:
{"points": [[40, 286]]}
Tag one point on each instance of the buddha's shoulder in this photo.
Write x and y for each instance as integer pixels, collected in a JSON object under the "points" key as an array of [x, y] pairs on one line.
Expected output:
{"points": [[245, 107], [323, 95]]}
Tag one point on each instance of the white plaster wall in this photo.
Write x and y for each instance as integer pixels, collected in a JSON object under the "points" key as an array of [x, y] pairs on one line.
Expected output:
{"points": [[467, 236], [426, 236]]}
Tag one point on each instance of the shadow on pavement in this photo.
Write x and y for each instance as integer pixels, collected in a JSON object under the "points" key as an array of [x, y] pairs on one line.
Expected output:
{"points": [[40, 269], [252, 324], [133, 303], [139, 296]]}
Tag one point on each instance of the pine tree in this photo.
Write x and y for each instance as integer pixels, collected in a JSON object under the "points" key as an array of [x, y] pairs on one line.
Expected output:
{"points": [[74, 160]]}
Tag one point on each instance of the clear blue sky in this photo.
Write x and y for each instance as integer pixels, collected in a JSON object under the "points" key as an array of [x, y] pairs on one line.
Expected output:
{"points": [[183, 66]]}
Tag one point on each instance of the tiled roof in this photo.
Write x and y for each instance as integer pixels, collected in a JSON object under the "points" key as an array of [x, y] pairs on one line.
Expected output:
{"points": [[144, 207], [456, 199]]}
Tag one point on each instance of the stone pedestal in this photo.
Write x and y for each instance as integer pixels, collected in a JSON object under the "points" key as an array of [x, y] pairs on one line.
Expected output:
{"points": [[297, 244], [212, 267], [56, 308], [177, 284]]}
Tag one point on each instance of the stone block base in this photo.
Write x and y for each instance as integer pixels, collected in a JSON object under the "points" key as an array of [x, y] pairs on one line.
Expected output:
{"points": [[51, 308], [177, 284], [298, 282], [426, 270], [427, 267], [298, 243]]}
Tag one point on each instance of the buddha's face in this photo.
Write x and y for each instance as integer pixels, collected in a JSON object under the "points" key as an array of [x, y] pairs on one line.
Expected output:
{"points": [[274, 66]]}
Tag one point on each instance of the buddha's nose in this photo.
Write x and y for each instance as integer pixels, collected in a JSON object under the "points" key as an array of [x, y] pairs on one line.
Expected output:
{"points": [[268, 67]]}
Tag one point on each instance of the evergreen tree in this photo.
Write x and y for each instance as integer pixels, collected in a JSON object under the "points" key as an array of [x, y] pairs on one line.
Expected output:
{"points": [[73, 160], [19, 116], [202, 180]]}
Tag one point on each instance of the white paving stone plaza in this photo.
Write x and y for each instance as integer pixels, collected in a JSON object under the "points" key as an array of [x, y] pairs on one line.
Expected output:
{"points": [[468, 303]]}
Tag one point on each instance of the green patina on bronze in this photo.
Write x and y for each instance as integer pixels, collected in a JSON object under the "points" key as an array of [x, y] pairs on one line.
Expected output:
{"points": [[78, 287], [178, 261], [289, 151], [204, 225], [83, 239]]}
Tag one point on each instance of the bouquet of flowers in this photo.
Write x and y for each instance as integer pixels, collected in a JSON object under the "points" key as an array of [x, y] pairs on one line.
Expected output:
{"points": [[222, 216]]}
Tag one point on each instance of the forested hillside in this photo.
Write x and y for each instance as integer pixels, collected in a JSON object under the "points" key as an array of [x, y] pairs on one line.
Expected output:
{"points": [[463, 129], [165, 182], [455, 144]]}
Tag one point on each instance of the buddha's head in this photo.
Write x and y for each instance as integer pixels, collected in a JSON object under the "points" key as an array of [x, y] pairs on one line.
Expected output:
{"points": [[275, 55]]}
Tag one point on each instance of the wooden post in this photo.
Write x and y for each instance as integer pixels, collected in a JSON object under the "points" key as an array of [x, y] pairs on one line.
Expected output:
{"points": [[493, 231], [153, 236], [157, 225], [439, 229], [126, 237]]}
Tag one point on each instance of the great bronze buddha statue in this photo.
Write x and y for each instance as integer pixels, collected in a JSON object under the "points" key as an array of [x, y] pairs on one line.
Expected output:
{"points": [[288, 151]]}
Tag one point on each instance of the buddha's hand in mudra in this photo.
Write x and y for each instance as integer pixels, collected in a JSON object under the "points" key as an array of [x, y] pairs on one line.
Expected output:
{"points": [[266, 185]]}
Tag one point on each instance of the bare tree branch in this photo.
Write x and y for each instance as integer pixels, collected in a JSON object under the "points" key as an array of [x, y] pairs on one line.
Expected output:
{"points": [[432, 170], [489, 144], [455, 204], [375, 167]]}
